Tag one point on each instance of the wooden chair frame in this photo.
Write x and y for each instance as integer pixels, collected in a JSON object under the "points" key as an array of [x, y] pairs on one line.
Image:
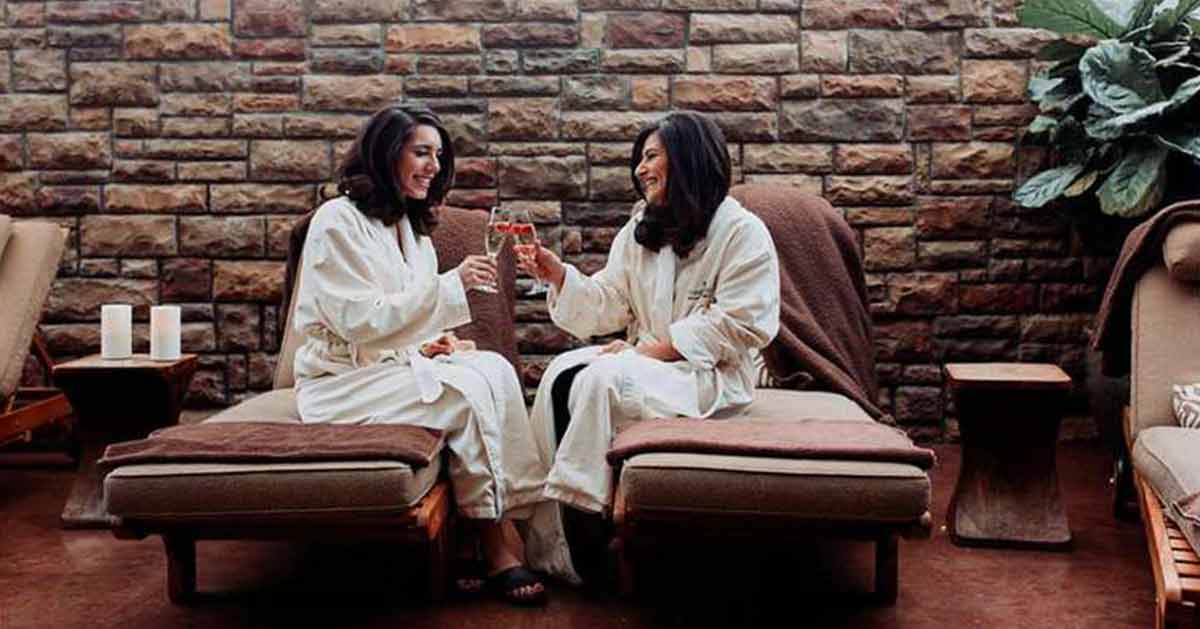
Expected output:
{"points": [[428, 524], [30, 408]]}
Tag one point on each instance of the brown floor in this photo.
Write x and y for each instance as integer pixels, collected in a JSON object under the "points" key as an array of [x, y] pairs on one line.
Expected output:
{"points": [[55, 578]]}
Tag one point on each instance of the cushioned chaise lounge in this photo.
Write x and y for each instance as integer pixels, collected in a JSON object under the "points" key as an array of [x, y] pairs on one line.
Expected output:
{"points": [[360, 500], [665, 497]]}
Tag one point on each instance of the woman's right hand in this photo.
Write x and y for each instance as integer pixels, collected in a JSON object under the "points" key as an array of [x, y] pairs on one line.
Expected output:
{"points": [[476, 271], [542, 263]]}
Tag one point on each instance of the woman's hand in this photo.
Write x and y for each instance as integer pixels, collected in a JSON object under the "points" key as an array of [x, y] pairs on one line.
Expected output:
{"points": [[658, 350], [615, 347], [443, 344], [541, 263], [477, 271]]}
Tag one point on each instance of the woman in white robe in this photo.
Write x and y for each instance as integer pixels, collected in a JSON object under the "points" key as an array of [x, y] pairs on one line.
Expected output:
{"points": [[373, 312], [693, 281]]}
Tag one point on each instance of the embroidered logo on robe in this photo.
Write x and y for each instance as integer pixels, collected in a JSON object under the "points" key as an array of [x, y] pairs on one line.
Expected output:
{"points": [[703, 293]]}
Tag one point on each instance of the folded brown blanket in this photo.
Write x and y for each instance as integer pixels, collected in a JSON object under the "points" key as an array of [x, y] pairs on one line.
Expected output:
{"points": [[802, 439], [261, 442], [825, 340], [1142, 250]]}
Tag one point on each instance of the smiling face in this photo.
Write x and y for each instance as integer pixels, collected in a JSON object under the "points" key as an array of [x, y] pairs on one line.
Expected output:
{"points": [[652, 171], [420, 161]]}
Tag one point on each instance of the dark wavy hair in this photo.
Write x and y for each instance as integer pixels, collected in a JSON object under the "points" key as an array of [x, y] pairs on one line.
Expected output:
{"points": [[698, 179], [367, 174]]}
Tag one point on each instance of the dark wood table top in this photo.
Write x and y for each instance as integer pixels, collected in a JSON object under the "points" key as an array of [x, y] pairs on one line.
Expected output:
{"points": [[1016, 376]]}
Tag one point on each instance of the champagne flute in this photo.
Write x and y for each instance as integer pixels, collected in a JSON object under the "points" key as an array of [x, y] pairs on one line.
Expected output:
{"points": [[498, 229], [525, 241]]}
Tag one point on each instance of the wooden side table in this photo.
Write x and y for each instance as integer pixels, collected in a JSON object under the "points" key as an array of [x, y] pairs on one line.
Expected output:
{"points": [[1007, 491], [116, 400]]}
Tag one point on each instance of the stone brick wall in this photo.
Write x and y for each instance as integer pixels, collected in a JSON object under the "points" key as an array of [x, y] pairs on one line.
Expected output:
{"points": [[179, 139]]}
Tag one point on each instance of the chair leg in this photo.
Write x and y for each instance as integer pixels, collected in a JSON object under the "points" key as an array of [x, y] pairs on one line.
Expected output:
{"points": [[438, 550], [626, 572], [887, 568], [181, 568]]}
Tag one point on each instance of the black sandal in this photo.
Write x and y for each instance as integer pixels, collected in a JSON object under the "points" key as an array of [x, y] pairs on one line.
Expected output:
{"points": [[506, 583], [469, 579]]}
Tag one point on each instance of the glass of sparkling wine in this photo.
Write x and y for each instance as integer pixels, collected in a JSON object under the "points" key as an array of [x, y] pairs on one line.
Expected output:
{"points": [[499, 228], [525, 241]]}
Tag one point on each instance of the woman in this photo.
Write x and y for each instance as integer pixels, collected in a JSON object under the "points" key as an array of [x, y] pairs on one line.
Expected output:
{"points": [[693, 281], [373, 313]]}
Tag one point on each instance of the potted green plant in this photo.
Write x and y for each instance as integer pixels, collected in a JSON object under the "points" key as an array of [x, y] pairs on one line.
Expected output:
{"points": [[1117, 111]]}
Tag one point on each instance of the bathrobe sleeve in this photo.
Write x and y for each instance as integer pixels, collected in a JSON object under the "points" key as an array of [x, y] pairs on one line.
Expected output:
{"points": [[744, 312], [599, 304], [360, 310]]}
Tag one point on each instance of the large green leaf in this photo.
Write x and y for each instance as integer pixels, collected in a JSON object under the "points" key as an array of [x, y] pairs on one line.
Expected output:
{"points": [[1082, 184], [1186, 142], [1047, 185], [1120, 76], [1069, 16], [1113, 127], [1042, 124], [1142, 15], [1136, 184]]}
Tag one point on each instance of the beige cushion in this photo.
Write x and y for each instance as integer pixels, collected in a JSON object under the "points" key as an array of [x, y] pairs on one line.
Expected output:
{"points": [[194, 490], [678, 483], [1168, 457], [27, 269], [5, 231], [284, 364], [1181, 252], [1161, 356]]}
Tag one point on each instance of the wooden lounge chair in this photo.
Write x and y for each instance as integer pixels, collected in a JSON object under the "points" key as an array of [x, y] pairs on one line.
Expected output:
{"points": [[29, 256], [376, 500]]}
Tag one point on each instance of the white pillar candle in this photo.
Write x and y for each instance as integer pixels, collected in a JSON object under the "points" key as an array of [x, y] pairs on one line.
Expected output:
{"points": [[116, 331], [164, 332]]}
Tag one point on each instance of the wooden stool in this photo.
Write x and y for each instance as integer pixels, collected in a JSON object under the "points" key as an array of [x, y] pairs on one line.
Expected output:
{"points": [[1007, 491]]}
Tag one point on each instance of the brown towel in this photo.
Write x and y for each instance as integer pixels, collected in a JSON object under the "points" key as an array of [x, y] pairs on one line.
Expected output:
{"points": [[801, 439], [1142, 250], [825, 339], [264, 442], [458, 234]]}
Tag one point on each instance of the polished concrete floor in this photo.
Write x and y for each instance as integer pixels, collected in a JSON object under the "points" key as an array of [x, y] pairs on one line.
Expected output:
{"points": [[55, 578]]}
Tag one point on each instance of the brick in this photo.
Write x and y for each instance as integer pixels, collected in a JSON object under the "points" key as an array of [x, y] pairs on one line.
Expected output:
{"points": [[247, 280], [169, 10], [322, 125], [11, 152], [204, 76], [501, 62], [222, 236], [238, 327], [528, 35], [212, 171], [184, 127], [787, 158], [338, 93], [939, 122], [54, 200], [747, 127], [844, 14], [951, 255], [435, 86], [127, 236], [643, 61], [595, 92], [649, 93], [346, 35], [432, 38], [191, 41], [561, 61], [931, 89], [269, 18], [450, 64], [862, 120], [113, 84], [953, 217], [520, 118], [725, 93], [904, 52], [974, 160], [358, 11], [279, 230], [69, 151], [279, 49], [94, 11], [26, 15], [733, 28], [611, 183], [251, 198], [194, 149], [874, 190], [862, 86], [756, 58], [799, 86], [560, 10], [823, 51], [922, 293], [289, 160], [154, 198], [32, 112], [265, 103], [887, 248], [466, 10], [137, 170], [214, 10], [186, 279], [16, 193], [881, 159], [543, 177], [77, 299], [258, 125], [943, 14], [39, 70], [646, 30], [604, 125], [903, 340], [1000, 298], [993, 81], [1005, 43]]}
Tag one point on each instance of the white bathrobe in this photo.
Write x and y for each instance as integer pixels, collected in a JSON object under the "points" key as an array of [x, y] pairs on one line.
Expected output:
{"points": [[369, 297], [715, 306]]}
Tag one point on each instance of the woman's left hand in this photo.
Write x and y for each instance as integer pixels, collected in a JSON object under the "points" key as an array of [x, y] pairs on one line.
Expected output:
{"points": [[658, 350], [444, 344]]}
